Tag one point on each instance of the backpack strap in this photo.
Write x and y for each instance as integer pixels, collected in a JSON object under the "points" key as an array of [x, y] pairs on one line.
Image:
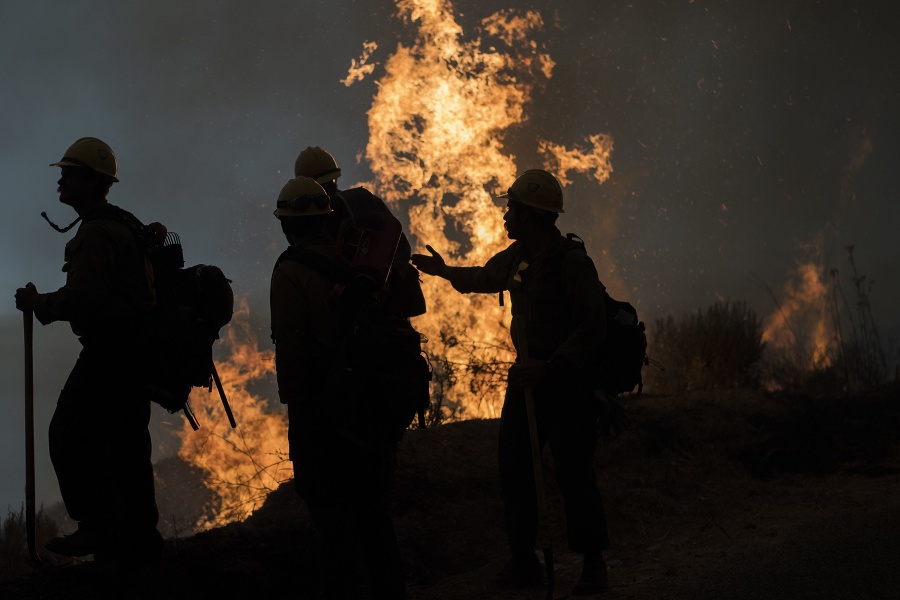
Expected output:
{"points": [[144, 238], [111, 212], [571, 243], [144, 235], [574, 241]]}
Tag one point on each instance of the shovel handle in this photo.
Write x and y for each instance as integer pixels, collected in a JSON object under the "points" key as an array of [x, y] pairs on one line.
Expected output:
{"points": [[537, 462], [30, 520]]}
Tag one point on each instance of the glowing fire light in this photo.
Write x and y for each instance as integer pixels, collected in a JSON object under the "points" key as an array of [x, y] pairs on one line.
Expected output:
{"points": [[436, 126], [801, 326], [240, 465]]}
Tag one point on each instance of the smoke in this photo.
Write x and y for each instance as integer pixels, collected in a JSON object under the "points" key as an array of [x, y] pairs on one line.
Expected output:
{"points": [[740, 131]]}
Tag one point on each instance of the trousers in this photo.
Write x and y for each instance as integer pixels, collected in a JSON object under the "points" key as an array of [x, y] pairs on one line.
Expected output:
{"points": [[566, 415], [100, 447], [343, 472]]}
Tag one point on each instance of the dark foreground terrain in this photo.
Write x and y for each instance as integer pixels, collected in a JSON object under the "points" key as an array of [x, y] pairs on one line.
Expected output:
{"points": [[725, 495]]}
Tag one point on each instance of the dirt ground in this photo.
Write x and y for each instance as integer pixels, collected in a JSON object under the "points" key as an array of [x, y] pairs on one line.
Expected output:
{"points": [[716, 495]]}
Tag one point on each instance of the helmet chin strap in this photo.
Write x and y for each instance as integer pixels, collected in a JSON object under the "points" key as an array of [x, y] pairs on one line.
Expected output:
{"points": [[57, 227]]}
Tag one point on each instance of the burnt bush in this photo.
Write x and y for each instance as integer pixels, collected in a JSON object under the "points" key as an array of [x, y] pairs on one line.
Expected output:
{"points": [[719, 347]]}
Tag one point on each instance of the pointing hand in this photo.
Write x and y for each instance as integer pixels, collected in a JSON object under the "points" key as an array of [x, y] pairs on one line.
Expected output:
{"points": [[430, 265]]}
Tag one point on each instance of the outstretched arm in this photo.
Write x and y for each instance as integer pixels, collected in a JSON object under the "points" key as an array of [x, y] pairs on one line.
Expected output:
{"points": [[430, 265]]}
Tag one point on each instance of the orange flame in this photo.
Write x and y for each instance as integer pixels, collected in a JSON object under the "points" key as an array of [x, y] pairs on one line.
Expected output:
{"points": [[240, 465], [801, 326], [437, 126]]}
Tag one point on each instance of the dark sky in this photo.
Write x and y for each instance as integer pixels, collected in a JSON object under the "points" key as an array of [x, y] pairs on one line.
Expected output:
{"points": [[744, 134]]}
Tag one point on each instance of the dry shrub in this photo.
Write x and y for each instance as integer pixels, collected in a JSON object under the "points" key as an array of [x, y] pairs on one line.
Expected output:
{"points": [[13, 541], [719, 347], [483, 370]]}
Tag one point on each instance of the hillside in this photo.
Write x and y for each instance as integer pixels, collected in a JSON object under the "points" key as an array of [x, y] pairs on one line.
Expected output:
{"points": [[714, 495]]}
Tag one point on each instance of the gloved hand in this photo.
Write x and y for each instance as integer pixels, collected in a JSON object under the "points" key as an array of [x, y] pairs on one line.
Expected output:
{"points": [[26, 297]]}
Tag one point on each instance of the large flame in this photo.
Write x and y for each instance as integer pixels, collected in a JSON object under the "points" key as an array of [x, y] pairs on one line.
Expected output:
{"points": [[240, 465], [437, 127]]}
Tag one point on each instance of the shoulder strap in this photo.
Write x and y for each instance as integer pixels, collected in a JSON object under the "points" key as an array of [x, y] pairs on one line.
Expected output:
{"points": [[574, 241], [111, 212], [143, 237]]}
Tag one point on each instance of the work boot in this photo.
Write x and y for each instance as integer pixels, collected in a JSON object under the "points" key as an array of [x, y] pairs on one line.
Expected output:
{"points": [[594, 578], [81, 543], [521, 571]]}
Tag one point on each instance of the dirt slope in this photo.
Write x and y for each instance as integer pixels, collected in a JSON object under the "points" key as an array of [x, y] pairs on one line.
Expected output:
{"points": [[715, 495]]}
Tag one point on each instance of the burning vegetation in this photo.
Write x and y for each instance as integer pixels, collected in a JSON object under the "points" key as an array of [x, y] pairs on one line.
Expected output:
{"points": [[242, 465], [816, 340], [437, 126], [799, 329], [445, 104]]}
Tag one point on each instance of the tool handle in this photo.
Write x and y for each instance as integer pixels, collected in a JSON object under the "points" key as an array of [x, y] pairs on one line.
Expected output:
{"points": [[522, 338], [225, 404], [30, 519], [537, 462]]}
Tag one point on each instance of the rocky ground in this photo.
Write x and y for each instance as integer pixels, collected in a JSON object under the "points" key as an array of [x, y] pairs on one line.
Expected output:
{"points": [[714, 495]]}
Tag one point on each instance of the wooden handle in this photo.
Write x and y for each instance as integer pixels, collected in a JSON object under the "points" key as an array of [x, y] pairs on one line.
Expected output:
{"points": [[30, 519]]}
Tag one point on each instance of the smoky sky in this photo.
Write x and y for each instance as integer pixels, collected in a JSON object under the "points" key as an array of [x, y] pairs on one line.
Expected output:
{"points": [[744, 132]]}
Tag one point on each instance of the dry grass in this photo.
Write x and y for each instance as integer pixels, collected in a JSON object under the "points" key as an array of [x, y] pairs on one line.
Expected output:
{"points": [[13, 541], [719, 347]]}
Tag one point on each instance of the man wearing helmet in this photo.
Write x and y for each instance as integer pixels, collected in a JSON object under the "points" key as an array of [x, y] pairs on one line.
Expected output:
{"points": [[341, 469], [99, 442], [557, 305]]}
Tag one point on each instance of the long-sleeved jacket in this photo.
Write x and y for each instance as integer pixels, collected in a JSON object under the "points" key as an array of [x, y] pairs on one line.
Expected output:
{"points": [[306, 333], [557, 296], [106, 290]]}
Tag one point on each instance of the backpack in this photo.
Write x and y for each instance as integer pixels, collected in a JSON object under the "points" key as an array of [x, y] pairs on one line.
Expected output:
{"points": [[624, 353], [381, 354], [190, 306], [372, 240]]}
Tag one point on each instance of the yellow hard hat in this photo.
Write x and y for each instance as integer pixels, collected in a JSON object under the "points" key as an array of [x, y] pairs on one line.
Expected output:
{"points": [[537, 188], [318, 164], [90, 153], [302, 197]]}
